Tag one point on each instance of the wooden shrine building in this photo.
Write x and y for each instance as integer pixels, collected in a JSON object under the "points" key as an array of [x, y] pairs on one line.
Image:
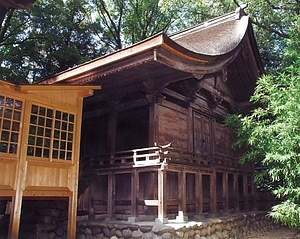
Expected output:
{"points": [[153, 141], [39, 146]]}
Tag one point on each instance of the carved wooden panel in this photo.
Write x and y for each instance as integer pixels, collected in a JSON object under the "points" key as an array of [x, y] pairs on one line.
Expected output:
{"points": [[202, 134], [173, 127]]}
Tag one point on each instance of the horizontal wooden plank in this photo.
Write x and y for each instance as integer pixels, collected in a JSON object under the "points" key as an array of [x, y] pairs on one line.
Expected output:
{"points": [[171, 202], [7, 191], [47, 194], [9, 158], [35, 191], [5, 187], [46, 163], [46, 198], [47, 188], [151, 202]]}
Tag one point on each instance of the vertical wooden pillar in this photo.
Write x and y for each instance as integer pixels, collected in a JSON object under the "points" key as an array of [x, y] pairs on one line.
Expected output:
{"points": [[72, 209], [15, 216], [111, 195], [91, 201], [199, 194], [134, 194], [112, 130], [153, 114], [72, 215], [20, 178], [182, 195], [245, 192], [190, 132], [225, 191], [154, 189], [253, 192], [236, 192], [162, 207], [213, 192]]}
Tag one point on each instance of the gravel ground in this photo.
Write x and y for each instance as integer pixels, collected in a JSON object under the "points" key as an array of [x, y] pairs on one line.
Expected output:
{"points": [[281, 233]]}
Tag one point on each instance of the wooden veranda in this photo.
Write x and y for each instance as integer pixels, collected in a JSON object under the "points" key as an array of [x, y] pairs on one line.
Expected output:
{"points": [[164, 182]]}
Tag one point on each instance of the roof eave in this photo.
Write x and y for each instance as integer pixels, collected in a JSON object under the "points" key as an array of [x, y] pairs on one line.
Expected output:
{"points": [[92, 69]]}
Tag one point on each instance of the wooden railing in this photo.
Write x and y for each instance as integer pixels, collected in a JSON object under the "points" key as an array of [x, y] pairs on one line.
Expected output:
{"points": [[152, 156], [148, 156], [157, 155]]}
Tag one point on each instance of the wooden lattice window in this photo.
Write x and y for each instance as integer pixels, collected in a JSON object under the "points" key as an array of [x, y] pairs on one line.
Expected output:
{"points": [[51, 133], [10, 121]]}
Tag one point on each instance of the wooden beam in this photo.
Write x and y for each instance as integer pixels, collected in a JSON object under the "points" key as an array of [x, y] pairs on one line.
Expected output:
{"points": [[176, 95], [120, 107], [150, 202], [6, 191], [83, 90], [44, 191]]}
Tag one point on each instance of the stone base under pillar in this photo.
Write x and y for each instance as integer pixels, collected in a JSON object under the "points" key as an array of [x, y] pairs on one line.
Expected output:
{"points": [[133, 219], [161, 220]]}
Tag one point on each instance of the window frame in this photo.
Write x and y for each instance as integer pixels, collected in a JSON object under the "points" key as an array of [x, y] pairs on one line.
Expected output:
{"points": [[12, 120], [54, 108]]}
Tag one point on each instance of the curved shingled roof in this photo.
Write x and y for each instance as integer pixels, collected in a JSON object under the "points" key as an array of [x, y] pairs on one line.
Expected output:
{"points": [[217, 37], [226, 42]]}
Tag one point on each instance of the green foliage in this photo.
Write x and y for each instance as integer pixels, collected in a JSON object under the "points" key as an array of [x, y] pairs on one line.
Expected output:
{"points": [[272, 20], [125, 22], [53, 36], [50, 37], [144, 19], [287, 213], [271, 132], [187, 13]]}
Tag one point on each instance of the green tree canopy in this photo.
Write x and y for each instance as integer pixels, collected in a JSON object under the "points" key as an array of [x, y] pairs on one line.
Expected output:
{"points": [[50, 37], [121, 23], [272, 21], [55, 35], [271, 132]]}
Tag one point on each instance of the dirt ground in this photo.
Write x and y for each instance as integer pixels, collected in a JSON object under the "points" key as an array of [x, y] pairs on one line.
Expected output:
{"points": [[281, 233]]}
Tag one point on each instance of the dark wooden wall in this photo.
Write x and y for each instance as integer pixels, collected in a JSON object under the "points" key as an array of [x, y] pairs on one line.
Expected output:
{"points": [[194, 127]]}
